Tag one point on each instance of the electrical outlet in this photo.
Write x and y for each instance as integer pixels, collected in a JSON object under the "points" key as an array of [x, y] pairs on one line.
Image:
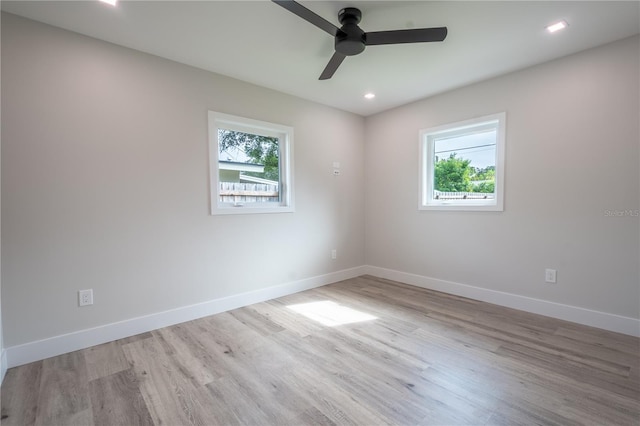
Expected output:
{"points": [[334, 254], [85, 297], [550, 275]]}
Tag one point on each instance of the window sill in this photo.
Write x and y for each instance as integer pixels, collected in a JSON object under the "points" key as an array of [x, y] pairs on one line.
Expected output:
{"points": [[231, 210], [463, 207]]}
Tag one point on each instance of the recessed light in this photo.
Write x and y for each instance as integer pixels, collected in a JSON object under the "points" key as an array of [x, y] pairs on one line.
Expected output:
{"points": [[111, 2], [370, 96], [561, 25]]}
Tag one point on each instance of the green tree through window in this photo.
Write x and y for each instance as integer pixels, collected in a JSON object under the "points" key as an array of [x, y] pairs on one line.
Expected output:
{"points": [[452, 175], [457, 175]]}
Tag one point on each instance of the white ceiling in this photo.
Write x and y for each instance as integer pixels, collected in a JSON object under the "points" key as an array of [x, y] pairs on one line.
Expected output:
{"points": [[262, 43]]}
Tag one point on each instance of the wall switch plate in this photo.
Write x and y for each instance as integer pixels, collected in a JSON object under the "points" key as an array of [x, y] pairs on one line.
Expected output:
{"points": [[550, 275], [85, 297], [334, 254]]}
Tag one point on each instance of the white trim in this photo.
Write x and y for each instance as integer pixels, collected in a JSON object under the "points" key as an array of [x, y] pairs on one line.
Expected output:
{"points": [[284, 134], [3, 365], [426, 157], [57, 345], [603, 320]]}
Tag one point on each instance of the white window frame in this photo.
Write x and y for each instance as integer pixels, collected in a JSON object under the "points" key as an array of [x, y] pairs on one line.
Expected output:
{"points": [[427, 164], [284, 134]]}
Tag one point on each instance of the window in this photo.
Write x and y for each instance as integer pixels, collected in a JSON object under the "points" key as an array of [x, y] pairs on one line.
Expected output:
{"points": [[250, 165], [462, 165]]}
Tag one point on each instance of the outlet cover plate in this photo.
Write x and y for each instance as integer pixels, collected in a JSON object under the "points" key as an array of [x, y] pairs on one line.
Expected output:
{"points": [[85, 297], [550, 275]]}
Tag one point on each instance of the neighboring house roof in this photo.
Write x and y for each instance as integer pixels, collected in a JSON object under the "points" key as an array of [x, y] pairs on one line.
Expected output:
{"points": [[252, 179], [240, 167]]}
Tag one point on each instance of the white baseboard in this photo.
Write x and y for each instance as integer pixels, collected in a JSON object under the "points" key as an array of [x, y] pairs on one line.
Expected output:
{"points": [[57, 345], [34, 351], [603, 320], [3, 365]]}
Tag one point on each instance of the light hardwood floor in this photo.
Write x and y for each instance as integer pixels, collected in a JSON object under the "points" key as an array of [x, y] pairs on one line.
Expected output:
{"points": [[428, 358]]}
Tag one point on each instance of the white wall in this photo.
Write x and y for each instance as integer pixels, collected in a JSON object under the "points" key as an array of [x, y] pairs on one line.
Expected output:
{"points": [[105, 186], [3, 359], [571, 154]]}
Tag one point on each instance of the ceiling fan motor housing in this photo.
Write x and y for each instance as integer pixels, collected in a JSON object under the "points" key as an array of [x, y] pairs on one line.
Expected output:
{"points": [[350, 40]]}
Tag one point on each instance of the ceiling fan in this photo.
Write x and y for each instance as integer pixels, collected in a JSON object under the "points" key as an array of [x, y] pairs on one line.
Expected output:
{"points": [[350, 40]]}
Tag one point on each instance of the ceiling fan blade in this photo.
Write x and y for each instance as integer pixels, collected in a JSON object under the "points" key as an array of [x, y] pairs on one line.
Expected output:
{"points": [[417, 35], [332, 66], [309, 16]]}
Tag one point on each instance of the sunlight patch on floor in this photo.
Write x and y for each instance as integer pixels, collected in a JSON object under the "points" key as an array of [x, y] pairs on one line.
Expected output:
{"points": [[330, 313]]}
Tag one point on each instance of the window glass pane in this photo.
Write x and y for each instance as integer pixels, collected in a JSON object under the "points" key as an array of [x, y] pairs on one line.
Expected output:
{"points": [[248, 166], [464, 166]]}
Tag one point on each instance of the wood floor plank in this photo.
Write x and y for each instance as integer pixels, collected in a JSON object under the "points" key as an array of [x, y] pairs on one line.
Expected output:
{"points": [[19, 396], [423, 358], [63, 396], [104, 360], [117, 401], [518, 398], [242, 398], [313, 417], [597, 338], [134, 338], [563, 366], [279, 313], [335, 402], [526, 384], [168, 391], [372, 305], [262, 324], [203, 365], [228, 334], [227, 407]]}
